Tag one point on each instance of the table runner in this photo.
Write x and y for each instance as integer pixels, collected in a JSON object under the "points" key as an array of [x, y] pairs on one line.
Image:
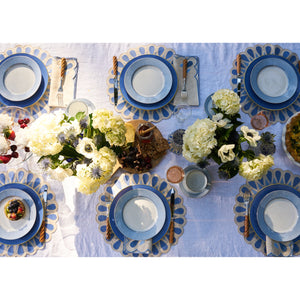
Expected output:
{"points": [[37, 183], [162, 246]]}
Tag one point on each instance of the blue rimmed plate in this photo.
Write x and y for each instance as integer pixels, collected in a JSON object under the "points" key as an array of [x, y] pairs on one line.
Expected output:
{"points": [[151, 106], [39, 213], [20, 77], [148, 80], [11, 230], [278, 215], [260, 102], [41, 89], [274, 80], [148, 218], [255, 207]]}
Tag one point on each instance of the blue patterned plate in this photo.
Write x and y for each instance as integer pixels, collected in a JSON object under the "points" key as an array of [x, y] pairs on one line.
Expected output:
{"points": [[39, 216], [274, 80], [41, 89], [258, 100], [256, 202], [278, 215], [148, 80], [20, 77], [152, 106], [156, 230], [12, 230]]}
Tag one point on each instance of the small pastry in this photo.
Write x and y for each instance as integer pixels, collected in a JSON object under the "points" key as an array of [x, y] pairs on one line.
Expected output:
{"points": [[14, 209]]}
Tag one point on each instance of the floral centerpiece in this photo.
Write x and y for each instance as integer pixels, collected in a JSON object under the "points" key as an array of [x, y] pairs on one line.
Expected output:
{"points": [[218, 138], [84, 146]]}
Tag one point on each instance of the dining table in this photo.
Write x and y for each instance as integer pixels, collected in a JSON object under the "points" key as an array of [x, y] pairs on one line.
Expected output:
{"points": [[211, 225]]}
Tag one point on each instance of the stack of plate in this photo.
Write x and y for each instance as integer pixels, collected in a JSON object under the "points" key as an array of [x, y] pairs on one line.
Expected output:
{"points": [[148, 82], [140, 212], [275, 212], [20, 231], [272, 82], [23, 80]]}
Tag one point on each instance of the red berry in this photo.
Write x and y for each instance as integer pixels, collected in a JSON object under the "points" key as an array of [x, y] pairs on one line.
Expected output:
{"points": [[4, 159], [26, 120], [9, 134], [15, 155], [23, 125], [20, 121], [27, 149], [13, 148], [13, 215]]}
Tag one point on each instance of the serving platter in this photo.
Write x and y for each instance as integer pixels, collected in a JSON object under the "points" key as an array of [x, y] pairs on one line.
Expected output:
{"points": [[136, 229], [37, 95], [141, 103], [273, 79], [148, 80], [39, 214], [280, 102], [12, 230], [20, 77]]}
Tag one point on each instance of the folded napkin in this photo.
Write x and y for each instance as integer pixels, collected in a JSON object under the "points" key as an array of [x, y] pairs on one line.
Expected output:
{"points": [[192, 80], [140, 247], [69, 85], [274, 248]]}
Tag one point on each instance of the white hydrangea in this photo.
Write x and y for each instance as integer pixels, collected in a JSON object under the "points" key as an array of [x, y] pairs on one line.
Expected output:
{"points": [[43, 134], [256, 168], [199, 140], [59, 173], [227, 100]]}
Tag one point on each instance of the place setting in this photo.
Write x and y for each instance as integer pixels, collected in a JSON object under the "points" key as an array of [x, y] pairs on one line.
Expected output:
{"points": [[267, 213], [29, 79], [146, 215], [149, 82], [28, 213], [267, 78]]}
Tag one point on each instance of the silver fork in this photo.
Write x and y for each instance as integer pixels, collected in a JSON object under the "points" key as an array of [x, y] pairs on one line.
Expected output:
{"points": [[63, 66], [246, 221]]}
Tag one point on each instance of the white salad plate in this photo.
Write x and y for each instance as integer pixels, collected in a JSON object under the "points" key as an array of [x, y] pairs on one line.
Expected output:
{"points": [[11, 230], [278, 215], [20, 77], [148, 80]]}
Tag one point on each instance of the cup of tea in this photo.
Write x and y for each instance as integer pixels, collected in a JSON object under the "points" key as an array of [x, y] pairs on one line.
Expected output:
{"points": [[262, 119]]}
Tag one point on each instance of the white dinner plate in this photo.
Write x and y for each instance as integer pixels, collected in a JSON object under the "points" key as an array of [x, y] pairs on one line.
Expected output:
{"points": [[20, 77], [148, 80], [278, 215], [140, 214], [11, 230]]}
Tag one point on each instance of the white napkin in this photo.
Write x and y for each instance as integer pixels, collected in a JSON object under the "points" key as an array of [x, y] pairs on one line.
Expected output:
{"points": [[133, 246], [69, 85], [192, 80], [274, 248]]}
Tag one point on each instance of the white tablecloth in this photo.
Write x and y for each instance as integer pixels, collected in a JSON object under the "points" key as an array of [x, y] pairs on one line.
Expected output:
{"points": [[210, 230]]}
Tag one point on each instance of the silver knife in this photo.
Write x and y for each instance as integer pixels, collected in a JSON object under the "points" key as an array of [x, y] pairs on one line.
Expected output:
{"points": [[239, 77], [115, 70], [43, 226]]}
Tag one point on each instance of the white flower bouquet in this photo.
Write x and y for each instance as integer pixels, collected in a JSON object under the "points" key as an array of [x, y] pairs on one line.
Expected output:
{"points": [[85, 146], [219, 139]]}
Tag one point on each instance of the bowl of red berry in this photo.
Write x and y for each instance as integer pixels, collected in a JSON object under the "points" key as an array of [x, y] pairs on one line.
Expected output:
{"points": [[14, 122]]}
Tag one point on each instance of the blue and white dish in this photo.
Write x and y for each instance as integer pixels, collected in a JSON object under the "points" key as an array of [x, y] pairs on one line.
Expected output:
{"points": [[39, 92], [39, 214], [20, 77], [12, 230], [260, 227], [152, 106], [208, 106], [260, 102], [133, 229], [278, 215], [274, 80], [148, 80]]}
